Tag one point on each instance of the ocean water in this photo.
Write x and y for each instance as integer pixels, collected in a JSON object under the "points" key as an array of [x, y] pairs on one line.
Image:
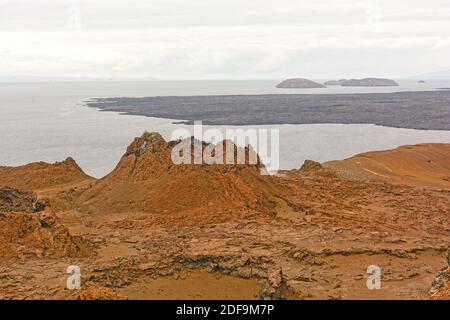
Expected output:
{"points": [[49, 122]]}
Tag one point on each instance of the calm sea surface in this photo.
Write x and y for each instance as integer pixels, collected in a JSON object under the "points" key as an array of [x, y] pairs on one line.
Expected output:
{"points": [[49, 122]]}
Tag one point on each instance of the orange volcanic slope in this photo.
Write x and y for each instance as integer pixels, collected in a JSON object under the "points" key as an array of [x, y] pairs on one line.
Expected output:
{"points": [[41, 175], [147, 180], [28, 229], [426, 165]]}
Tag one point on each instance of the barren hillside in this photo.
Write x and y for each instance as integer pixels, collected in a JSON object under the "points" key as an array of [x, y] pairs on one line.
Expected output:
{"points": [[156, 230]]}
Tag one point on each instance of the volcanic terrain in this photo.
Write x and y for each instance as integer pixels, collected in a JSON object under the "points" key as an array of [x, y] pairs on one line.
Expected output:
{"points": [[152, 229]]}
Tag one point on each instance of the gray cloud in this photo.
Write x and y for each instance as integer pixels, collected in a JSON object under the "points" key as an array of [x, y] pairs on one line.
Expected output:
{"points": [[223, 39]]}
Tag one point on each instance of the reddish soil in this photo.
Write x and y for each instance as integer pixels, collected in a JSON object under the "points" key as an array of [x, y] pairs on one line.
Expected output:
{"points": [[151, 229], [95, 292], [41, 175], [422, 165]]}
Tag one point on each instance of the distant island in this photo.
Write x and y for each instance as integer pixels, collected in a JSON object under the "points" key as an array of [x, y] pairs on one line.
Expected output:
{"points": [[299, 83], [333, 83], [366, 82]]}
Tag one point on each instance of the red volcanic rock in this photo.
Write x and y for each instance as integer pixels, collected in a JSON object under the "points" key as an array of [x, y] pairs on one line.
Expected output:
{"points": [[42, 175], [147, 180]]}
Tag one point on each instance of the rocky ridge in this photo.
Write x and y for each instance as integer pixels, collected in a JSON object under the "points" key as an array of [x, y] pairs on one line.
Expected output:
{"points": [[304, 234], [146, 180]]}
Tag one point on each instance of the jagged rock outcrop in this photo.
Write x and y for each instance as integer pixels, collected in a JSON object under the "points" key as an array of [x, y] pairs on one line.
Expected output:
{"points": [[276, 287], [314, 168], [15, 200], [153, 219], [299, 83], [147, 180], [440, 289], [310, 165], [33, 234], [25, 235]]}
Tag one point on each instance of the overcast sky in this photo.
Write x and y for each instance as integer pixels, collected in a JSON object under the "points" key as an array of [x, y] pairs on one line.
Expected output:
{"points": [[224, 39]]}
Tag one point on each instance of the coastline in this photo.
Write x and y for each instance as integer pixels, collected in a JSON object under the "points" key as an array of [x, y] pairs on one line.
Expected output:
{"points": [[422, 110]]}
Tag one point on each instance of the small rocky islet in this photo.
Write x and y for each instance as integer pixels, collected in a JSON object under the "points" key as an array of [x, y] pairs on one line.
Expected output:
{"points": [[302, 83], [299, 83], [366, 82]]}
